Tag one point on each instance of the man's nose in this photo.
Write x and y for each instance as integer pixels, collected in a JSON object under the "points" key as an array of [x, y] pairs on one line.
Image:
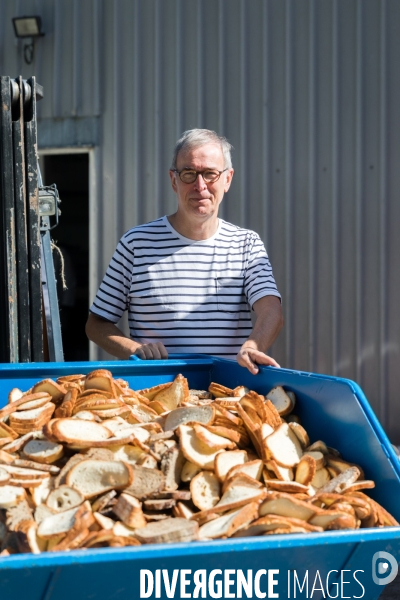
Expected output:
{"points": [[199, 183]]}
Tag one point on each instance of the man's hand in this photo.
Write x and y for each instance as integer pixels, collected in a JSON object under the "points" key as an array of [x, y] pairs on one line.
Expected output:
{"points": [[250, 358], [268, 323], [156, 351]]}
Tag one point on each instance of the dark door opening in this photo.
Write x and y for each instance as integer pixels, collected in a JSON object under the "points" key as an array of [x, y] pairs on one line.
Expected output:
{"points": [[70, 172]]}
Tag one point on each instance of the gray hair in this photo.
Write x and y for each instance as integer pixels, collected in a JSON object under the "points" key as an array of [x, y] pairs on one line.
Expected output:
{"points": [[192, 138]]}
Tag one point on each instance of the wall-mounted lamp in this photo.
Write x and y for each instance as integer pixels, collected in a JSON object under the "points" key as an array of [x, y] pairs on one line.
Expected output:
{"points": [[28, 27]]}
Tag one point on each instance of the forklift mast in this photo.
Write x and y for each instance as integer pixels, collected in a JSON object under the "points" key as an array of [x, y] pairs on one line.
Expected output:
{"points": [[30, 328]]}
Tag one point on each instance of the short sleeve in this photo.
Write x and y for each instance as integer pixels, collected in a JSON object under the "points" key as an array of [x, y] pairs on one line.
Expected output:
{"points": [[112, 298], [259, 279]]}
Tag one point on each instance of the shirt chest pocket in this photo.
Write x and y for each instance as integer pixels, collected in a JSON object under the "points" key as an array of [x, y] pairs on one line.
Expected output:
{"points": [[230, 294]]}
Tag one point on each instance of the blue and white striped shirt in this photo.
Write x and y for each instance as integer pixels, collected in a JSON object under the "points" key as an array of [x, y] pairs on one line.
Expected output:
{"points": [[193, 296]]}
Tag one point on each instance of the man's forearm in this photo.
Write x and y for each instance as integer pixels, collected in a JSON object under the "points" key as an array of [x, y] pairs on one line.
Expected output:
{"points": [[110, 338], [269, 322]]}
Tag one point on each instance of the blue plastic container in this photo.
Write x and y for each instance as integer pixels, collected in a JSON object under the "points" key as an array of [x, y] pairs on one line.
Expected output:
{"points": [[332, 409]]}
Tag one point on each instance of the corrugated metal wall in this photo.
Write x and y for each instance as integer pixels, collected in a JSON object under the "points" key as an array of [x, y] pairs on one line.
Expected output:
{"points": [[307, 91]]}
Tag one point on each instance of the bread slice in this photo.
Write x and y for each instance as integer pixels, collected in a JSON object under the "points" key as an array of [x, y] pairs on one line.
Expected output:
{"points": [[10, 495], [234, 497], [225, 432], [129, 510], [301, 434], [226, 460], [174, 395], [240, 391], [151, 393], [306, 469], [63, 498], [103, 501], [321, 477], [253, 468], [35, 402], [6, 458], [33, 415], [290, 487], [167, 531], [341, 482], [281, 400], [219, 391], [62, 522], [195, 450], [273, 522], [286, 506], [228, 524], [284, 446], [103, 522], [56, 390], [281, 473], [212, 440], [141, 414], [68, 403], [6, 432], [128, 453], [100, 379], [195, 414], [15, 394], [205, 489], [172, 462], [145, 482], [76, 430], [43, 451], [94, 477], [189, 470]]}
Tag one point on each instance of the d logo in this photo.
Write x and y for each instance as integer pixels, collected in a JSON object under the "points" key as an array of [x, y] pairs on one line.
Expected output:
{"points": [[384, 568]]}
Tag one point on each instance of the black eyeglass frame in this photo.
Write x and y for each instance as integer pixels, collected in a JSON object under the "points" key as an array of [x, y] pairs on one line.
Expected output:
{"points": [[199, 173]]}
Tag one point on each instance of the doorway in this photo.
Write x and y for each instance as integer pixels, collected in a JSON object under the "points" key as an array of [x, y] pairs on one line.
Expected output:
{"points": [[70, 173]]}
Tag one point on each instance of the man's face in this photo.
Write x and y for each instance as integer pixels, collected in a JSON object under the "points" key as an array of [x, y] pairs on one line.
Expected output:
{"points": [[200, 200]]}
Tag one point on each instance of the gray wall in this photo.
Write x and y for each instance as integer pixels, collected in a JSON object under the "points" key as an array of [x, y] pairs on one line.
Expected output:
{"points": [[308, 93]]}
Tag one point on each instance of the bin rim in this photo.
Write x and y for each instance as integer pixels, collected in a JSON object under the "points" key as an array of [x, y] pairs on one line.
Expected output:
{"points": [[152, 551]]}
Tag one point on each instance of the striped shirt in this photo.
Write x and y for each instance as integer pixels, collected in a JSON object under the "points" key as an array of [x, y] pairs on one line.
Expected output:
{"points": [[193, 296]]}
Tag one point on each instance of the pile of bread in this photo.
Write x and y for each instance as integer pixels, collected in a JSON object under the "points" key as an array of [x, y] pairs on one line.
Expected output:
{"points": [[87, 462]]}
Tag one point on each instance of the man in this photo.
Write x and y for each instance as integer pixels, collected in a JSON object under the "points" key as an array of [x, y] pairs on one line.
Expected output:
{"points": [[189, 280]]}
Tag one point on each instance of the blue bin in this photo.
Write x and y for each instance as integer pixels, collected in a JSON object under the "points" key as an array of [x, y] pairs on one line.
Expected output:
{"points": [[339, 563]]}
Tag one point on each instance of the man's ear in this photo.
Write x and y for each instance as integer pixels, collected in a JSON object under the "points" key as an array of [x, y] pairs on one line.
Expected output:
{"points": [[172, 176], [228, 179]]}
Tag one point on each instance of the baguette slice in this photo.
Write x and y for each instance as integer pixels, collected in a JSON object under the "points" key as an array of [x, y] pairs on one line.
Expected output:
{"points": [[94, 477], [167, 531]]}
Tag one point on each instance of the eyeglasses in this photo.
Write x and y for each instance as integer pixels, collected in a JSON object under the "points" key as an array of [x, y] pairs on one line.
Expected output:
{"points": [[190, 175]]}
